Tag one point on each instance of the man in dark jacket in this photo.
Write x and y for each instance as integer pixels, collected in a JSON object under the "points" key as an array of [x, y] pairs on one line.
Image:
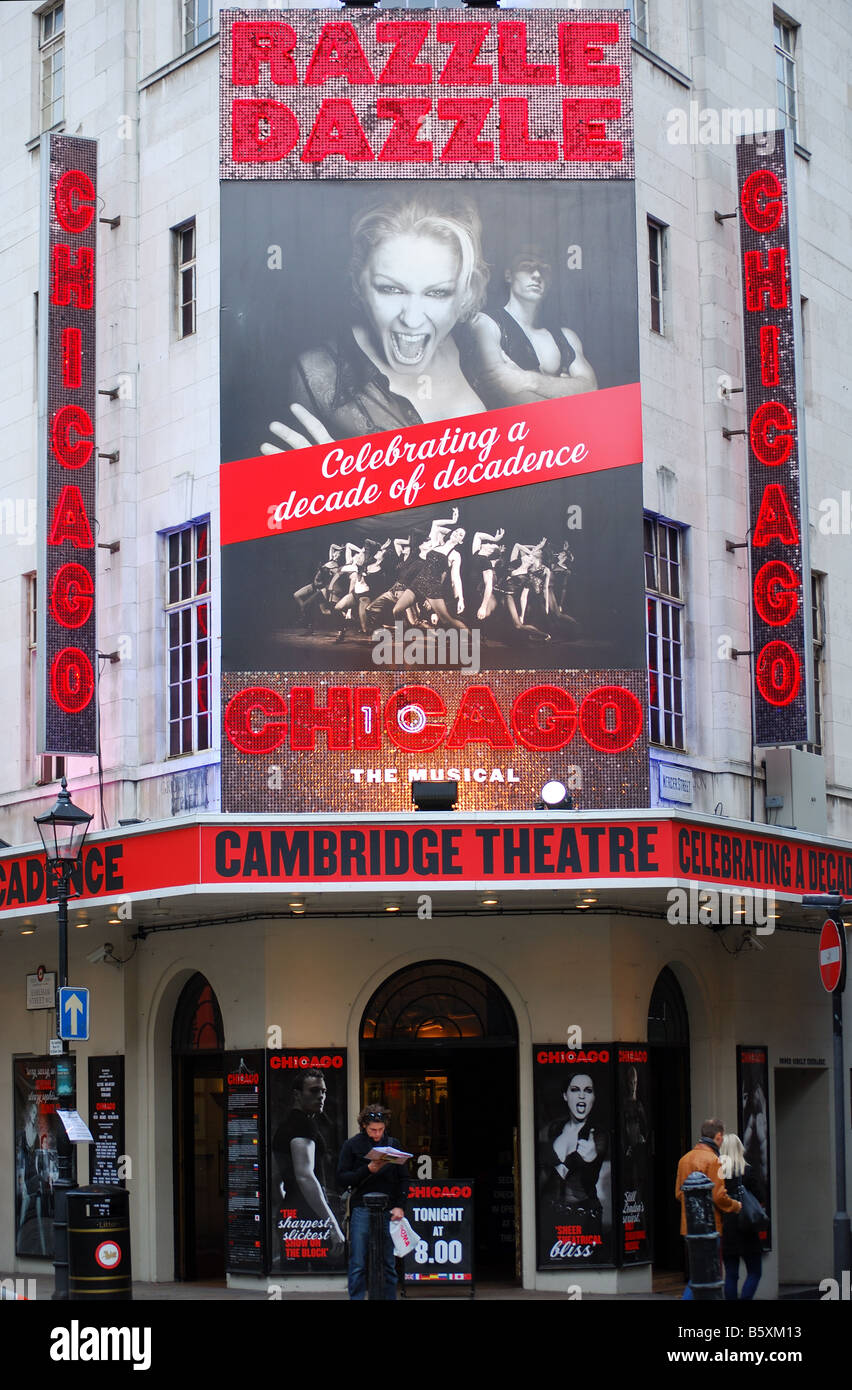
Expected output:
{"points": [[377, 1175]]}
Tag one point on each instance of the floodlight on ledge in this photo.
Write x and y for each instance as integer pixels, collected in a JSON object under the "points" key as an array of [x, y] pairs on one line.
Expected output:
{"points": [[555, 796], [434, 796]]}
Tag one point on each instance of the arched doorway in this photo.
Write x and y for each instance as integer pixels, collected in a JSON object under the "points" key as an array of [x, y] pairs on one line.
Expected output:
{"points": [[439, 1047], [668, 1054], [199, 1148]]}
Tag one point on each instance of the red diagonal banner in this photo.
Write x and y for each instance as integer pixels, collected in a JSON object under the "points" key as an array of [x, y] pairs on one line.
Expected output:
{"points": [[424, 464]]}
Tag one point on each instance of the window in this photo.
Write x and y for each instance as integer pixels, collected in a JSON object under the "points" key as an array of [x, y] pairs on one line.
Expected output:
{"points": [[664, 604], [656, 251], [188, 634], [197, 22], [818, 639], [51, 53], [638, 20], [185, 279], [45, 767], [785, 72]]}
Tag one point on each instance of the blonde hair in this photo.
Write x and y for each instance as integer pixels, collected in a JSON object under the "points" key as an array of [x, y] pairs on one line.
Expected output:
{"points": [[732, 1147], [455, 223]]}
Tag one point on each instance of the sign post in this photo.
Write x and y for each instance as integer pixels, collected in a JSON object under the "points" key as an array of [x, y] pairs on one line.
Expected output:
{"points": [[832, 970]]}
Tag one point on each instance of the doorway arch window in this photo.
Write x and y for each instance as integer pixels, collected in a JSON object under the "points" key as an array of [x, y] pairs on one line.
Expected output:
{"points": [[438, 1000]]}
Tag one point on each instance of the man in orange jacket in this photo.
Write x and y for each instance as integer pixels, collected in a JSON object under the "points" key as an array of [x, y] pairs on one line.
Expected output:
{"points": [[704, 1158]]}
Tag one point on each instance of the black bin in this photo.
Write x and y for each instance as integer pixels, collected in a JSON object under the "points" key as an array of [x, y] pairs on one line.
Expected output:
{"points": [[99, 1264]]}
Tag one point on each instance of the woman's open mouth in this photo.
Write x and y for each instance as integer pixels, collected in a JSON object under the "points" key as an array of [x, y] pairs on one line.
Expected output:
{"points": [[409, 348]]}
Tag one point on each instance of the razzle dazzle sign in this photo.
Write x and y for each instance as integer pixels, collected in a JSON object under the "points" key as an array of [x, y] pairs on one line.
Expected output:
{"points": [[431, 496]]}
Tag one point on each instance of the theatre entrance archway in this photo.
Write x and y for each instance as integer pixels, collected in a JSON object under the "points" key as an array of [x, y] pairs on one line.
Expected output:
{"points": [[439, 1048]]}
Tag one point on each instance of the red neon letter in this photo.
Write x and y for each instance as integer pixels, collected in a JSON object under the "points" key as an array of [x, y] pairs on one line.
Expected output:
{"points": [[515, 142], [72, 680], [337, 130], [544, 718], [762, 200], [771, 433], [771, 278], [778, 674], [512, 65], [72, 358], [402, 144], [625, 712], [263, 41], [769, 369], [479, 721], [338, 54], [581, 56], [334, 719], [775, 520], [74, 200], [408, 715], [72, 595], [239, 722], [249, 143], [776, 593], [70, 522], [409, 35], [72, 419], [583, 129], [73, 280]]}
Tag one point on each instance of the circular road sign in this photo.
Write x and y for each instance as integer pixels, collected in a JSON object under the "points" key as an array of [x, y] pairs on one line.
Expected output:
{"points": [[830, 955]]}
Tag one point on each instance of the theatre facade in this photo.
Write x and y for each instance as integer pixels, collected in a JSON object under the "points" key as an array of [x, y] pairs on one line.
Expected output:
{"points": [[468, 972], [429, 601]]}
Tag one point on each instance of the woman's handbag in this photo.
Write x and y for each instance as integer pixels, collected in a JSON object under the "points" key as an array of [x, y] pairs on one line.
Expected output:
{"points": [[752, 1217]]}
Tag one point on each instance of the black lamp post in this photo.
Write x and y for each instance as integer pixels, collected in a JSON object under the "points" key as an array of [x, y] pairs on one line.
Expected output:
{"points": [[63, 831]]}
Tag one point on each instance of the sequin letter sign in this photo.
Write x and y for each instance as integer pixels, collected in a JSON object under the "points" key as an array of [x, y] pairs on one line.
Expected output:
{"points": [[430, 493], [66, 640], [783, 696]]}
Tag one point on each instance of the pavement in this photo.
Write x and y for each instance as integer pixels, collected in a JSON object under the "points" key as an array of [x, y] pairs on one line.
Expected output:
{"points": [[667, 1288]]}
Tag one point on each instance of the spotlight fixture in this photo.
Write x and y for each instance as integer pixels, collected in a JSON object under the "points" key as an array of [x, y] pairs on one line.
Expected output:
{"points": [[391, 905], [297, 907], [555, 796], [489, 902], [84, 923], [27, 931], [434, 796]]}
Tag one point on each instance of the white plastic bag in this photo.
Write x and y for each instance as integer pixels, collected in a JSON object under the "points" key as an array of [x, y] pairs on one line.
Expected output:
{"points": [[404, 1237]]}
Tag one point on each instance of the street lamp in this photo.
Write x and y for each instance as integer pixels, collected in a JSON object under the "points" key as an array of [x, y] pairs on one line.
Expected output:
{"points": [[63, 831]]}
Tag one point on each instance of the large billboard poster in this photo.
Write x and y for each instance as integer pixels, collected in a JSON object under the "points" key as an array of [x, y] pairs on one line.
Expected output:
{"points": [[306, 1107], [431, 492], [574, 1123]]}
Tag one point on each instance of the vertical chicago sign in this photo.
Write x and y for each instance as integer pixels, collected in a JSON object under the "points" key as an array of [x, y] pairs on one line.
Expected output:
{"points": [[66, 638], [778, 534], [431, 496]]}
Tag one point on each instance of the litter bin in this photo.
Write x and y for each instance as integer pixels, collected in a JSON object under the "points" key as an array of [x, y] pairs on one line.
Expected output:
{"points": [[99, 1264]]}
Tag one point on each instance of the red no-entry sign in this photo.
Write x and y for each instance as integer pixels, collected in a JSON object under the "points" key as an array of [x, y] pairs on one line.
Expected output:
{"points": [[831, 952]]}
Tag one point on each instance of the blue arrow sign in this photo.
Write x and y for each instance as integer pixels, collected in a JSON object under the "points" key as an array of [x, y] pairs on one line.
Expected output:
{"points": [[74, 1014]]}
